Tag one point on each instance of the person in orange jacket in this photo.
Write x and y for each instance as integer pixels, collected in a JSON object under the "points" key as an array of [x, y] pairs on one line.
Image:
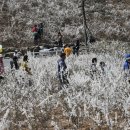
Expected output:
{"points": [[67, 50]]}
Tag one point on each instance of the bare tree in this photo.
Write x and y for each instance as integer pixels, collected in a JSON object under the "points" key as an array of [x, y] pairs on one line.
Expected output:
{"points": [[84, 21], [87, 32]]}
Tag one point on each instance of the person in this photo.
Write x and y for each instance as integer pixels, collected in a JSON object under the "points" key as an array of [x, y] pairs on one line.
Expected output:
{"points": [[126, 67], [67, 50], [11, 62], [93, 69], [35, 34], [61, 67], [102, 66], [15, 59], [1, 67], [40, 30], [60, 43], [24, 65], [76, 48], [1, 49], [94, 65], [62, 49], [1, 63]]}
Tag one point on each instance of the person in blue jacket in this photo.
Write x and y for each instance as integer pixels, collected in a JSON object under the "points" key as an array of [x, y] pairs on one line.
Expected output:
{"points": [[126, 67], [61, 67]]}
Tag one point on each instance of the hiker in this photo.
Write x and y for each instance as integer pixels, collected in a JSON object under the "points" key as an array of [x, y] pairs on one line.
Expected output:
{"points": [[15, 59], [62, 49], [93, 69], [1, 67], [62, 68], [60, 43], [35, 34], [126, 66], [67, 50], [11, 62], [24, 65], [102, 67], [40, 31], [76, 48]]}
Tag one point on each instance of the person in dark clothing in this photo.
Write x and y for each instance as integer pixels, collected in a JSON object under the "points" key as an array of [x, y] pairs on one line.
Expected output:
{"points": [[94, 64], [102, 66], [40, 31], [36, 39], [60, 43], [11, 61], [93, 69], [25, 58], [76, 48], [61, 69], [15, 60]]}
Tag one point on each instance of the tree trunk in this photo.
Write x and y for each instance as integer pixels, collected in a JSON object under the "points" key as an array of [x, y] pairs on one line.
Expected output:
{"points": [[87, 33]]}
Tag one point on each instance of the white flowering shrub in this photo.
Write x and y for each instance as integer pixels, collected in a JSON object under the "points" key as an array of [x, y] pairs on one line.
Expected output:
{"points": [[34, 101]]}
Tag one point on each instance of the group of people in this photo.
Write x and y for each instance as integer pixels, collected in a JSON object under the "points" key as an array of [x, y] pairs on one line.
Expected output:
{"points": [[15, 63], [67, 51], [67, 48], [75, 49], [37, 31], [93, 69]]}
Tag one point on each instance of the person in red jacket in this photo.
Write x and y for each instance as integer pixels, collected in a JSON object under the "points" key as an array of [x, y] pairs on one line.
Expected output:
{"points": [[34, 29], [35, 34]]}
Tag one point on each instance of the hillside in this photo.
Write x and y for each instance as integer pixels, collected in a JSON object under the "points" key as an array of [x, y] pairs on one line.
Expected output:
{"points": [[108, 20]]}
